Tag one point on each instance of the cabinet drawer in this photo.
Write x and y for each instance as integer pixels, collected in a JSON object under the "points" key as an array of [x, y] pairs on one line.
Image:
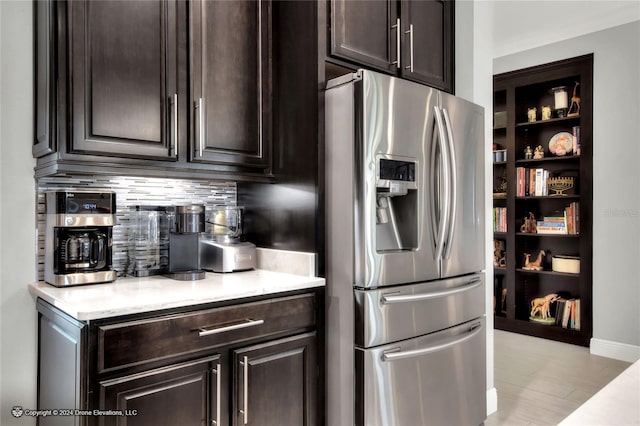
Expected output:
{"points": [[138, 341]]}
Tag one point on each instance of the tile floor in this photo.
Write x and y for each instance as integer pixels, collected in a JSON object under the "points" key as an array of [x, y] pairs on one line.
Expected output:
{"points": [[540, 382]]}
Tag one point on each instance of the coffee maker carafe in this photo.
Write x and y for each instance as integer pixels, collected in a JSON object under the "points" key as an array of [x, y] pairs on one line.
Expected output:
{"points": [[78, 239]]}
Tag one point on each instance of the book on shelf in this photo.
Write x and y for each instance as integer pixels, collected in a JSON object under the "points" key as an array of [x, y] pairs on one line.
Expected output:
{"points": [[560, 310], [575, 130], [567, 224], [499, 219], [531, 182], [568, 313]]}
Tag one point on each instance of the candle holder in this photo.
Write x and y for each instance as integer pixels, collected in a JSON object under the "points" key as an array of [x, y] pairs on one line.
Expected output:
{"points": [[561, 100]]}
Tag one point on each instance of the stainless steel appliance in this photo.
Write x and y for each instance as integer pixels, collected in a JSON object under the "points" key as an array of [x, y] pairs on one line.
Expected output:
{"points": [[187, 222], [78, 237], [222, 248], [405, 254]]}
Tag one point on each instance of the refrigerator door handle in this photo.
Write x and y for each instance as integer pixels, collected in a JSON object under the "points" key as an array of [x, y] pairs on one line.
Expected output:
{"points": [[397, 354], [442, 191], [396, 297], [453, 185]]}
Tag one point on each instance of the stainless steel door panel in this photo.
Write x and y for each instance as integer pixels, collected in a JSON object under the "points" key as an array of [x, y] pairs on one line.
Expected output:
{"points": [[464, 246], [437, 379], [393, 314], [395, 119]]}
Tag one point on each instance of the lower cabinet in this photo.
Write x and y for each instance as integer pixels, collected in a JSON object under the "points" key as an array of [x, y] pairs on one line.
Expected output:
{"points": [[174, 395], [274, 383], [253, 363]]}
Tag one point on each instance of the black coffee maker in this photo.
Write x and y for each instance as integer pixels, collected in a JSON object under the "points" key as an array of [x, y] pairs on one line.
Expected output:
{"points": [[78, 237]]}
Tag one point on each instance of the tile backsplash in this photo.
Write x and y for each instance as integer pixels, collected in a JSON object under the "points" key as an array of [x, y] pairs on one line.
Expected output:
{"points": [[132, 192]]}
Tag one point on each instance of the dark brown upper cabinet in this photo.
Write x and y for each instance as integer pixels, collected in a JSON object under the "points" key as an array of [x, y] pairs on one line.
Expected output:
{"points": [[231, 82], [124, 78], [371, 33], [160, 88]]}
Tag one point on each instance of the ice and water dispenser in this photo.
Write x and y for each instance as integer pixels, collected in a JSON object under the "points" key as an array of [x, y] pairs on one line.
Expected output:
{"points": [[396, 204]]}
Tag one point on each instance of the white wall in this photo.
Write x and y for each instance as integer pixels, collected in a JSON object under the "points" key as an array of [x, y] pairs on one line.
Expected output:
{"points": [[473, 78], [525, 24], [616, 174], [17, 213]]}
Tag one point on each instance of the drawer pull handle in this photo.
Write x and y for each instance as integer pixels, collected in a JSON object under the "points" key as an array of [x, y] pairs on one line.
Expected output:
{"points": [[248, 323], [395, 354]]}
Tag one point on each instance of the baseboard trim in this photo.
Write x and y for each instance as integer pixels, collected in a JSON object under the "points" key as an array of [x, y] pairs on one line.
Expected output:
{"points": [[492, 401], [615, 350]]}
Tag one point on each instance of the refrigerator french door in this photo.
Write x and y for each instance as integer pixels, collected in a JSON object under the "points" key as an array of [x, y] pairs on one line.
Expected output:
{"points": [[405, 252]]}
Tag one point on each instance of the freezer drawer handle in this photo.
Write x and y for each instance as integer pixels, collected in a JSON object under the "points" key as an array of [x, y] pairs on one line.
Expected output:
{"points": [[394, 356], [390, 298], [248, 323]]}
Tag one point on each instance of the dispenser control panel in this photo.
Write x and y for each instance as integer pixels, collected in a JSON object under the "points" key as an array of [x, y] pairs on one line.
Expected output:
{"points": [[396, 175]]}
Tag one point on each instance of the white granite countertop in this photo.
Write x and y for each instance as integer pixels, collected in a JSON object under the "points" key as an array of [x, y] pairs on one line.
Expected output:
{"points": [[614, 404], [137, 295]]}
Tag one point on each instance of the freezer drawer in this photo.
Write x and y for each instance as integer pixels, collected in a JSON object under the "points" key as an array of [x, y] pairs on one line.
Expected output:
{"points": [[437, 379], [397, 313]]}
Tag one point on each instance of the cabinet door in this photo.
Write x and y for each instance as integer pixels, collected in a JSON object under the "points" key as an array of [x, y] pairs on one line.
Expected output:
{"points": [[182, 394], [275, 383], [427, 52], [44, 20], [231, 89], [62, 360], [124, 75], [365, 32]]}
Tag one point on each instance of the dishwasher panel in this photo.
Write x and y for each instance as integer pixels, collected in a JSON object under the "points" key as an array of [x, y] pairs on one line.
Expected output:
{"points": [[396, 313], [437, 379]]}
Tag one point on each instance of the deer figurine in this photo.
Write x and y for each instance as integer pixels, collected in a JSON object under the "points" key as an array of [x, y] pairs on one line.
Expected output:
{"points": [[536, 265]]}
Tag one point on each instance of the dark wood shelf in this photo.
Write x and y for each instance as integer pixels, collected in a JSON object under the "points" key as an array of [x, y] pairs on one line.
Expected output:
{"points": [[573, 197], [549, 121], [548, 159], [551, 332], [541, 234], [547, 272], [515, 92]]}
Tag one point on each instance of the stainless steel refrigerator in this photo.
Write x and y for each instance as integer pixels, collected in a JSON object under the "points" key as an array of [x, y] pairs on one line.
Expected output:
{"points": [[405, 254]]}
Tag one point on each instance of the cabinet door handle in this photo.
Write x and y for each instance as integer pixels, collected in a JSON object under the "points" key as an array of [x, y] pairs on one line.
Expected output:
{"points": [[248, 323], [410, 32], [201, 118], [175, 124], [245, 390], [218, 372], [398, 29]]}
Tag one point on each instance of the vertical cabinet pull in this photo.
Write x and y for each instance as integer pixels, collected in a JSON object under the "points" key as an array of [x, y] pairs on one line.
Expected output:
{"points": [[200, 108], [397, 27], [175, 124], [218, 373], [410, 32], [245, 390]]}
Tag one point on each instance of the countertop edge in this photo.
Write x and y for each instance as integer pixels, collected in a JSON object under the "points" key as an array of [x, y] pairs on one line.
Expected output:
{"points": [[141, 295]]}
